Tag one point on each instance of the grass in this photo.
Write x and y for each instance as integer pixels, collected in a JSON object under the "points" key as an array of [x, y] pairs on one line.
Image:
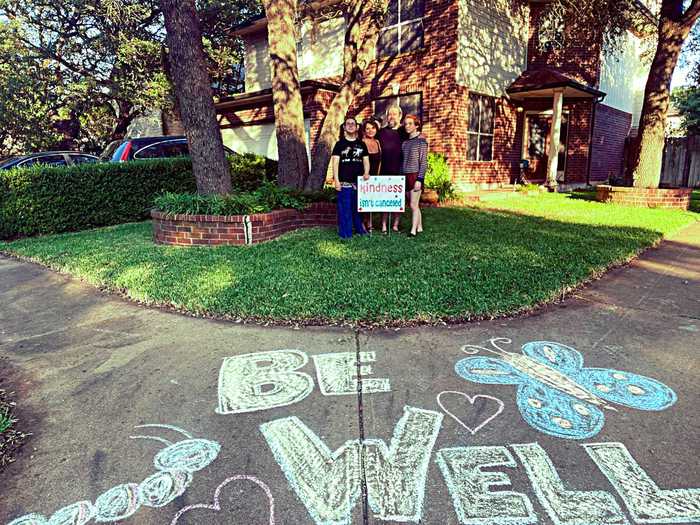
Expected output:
{"points": [[470, 263], [11, 439]]}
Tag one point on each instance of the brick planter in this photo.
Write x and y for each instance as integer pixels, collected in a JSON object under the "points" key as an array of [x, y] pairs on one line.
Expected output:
{"points": [[215, 230], [645, 197]]}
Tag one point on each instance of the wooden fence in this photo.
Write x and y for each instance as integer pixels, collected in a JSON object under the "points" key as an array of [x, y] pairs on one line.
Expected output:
{"points": [[681, 167]]}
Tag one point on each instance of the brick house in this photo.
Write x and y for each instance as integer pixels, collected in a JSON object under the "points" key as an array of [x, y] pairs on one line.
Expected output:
{"points": [[482, 77]]}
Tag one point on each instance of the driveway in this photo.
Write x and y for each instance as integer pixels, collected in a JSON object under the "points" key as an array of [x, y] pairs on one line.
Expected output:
{"points": [[584, 413]]}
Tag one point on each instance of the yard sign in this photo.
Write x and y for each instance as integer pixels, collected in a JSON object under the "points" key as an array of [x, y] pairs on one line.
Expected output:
{"points": [[381, 193]]}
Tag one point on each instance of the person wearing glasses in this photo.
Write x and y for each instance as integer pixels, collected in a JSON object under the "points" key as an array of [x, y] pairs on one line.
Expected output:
{"points": [[349, 160]]}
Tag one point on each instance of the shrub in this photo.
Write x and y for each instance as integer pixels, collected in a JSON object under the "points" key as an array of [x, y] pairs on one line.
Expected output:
{"points": [[438, 177], [266, 198], [50, 199], [249, 171]]}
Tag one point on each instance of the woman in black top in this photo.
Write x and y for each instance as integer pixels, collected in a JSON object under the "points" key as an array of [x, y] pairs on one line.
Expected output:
{"points": [[349, 160], [370, 128]]}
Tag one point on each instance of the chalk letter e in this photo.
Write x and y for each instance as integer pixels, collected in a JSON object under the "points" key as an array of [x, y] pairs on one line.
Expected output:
{"points": [[263, 380]]}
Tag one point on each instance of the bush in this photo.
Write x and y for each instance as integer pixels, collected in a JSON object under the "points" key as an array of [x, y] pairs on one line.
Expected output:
{"points": [[266, 198], [249, 171], [438, 177], [51, 199]]}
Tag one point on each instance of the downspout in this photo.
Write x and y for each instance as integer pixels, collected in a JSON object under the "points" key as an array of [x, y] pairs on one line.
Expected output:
{"points": [[597, 101]]}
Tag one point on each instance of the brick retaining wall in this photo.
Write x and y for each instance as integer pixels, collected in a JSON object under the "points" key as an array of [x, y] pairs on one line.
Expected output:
{"points": [[214, 230], [644, 197]]}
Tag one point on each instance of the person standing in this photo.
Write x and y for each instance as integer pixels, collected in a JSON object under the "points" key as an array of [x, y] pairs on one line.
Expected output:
{"points": [[370, 129], [414, 164], [349, 160], [390, 138]]}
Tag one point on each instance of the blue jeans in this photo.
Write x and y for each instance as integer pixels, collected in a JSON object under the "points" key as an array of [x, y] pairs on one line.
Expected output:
{"points": [[348, 216]]}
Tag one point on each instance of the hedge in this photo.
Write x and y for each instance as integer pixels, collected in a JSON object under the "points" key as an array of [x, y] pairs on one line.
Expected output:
{"points": [[45, 199]]}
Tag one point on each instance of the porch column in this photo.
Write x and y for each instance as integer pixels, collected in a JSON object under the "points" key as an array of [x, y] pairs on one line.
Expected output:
{"points": [[554, 139]]}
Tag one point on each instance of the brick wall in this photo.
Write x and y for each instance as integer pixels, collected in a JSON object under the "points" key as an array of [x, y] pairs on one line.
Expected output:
{"points": [[216, 230], [678, 198], [612, 127]]}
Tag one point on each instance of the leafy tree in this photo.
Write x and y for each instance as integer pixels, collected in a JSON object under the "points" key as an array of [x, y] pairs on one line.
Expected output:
{"points": [[193, 88], [293, 168], [687, 100]]}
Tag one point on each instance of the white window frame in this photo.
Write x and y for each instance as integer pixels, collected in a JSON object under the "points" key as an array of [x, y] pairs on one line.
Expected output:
{"points": [[399, 23], [480, 133]]}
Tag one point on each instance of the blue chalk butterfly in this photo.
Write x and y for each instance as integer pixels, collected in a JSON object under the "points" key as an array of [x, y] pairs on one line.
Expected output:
{"points": [[556, 394]]}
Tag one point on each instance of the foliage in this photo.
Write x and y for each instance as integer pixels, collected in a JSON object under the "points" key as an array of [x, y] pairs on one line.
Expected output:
{"points": [[47, 199], [98, 64], [11, 439], [474, 263], [266, 198], [687, 100], [249, 171], [438, 177], [527, 188]]}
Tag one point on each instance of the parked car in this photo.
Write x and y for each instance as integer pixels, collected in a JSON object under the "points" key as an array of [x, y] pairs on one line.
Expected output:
{"points": [[148, 148], [50, 158]]}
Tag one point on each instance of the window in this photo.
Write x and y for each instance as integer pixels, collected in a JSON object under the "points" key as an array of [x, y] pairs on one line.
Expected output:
{"points": [[48, 160], [81, 159], [403, 30], [163, 150], [482, 111], [409, 104]]}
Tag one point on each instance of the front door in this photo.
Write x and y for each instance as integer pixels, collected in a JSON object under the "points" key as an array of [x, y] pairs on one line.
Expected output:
{"points": [[536, 141]]}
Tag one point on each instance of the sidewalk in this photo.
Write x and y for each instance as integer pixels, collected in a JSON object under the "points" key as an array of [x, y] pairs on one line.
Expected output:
{"points": [[288, 432]]}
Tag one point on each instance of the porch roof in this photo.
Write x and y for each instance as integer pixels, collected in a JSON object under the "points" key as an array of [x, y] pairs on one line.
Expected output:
{"points": [[539, 83], [263, 97]]}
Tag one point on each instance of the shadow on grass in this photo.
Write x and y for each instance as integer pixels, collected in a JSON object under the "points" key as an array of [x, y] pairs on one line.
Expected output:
{"points": [[470, 263]]}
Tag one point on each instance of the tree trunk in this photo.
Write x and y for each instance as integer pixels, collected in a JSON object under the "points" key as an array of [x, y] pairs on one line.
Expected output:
{"points": [[193, 90], [293, 167], [358, 53], [171, 119], [125, 116], [644, 169]]}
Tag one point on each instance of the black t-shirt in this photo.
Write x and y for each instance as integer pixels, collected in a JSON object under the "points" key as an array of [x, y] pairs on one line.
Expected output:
{"points": [[391, 140], [351, 153]]}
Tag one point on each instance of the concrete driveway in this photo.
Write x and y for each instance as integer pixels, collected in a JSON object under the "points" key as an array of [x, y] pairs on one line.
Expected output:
{"points": [[584, 413]]}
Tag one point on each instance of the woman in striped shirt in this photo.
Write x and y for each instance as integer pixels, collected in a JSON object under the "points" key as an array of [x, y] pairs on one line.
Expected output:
{"points": [[414, 164]]}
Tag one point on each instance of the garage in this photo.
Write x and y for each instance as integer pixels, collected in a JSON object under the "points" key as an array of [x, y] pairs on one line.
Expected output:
{"points": [[257, 138]]}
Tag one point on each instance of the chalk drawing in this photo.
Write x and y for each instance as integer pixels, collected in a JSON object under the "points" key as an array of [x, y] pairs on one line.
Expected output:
{"points": [[396, 475], [76, 514], [566, 507], [556, 394], [216, 506], [118, 503], [337, 374], [30, 519], [469, 487], [471, 401], [646, 502], [263, 380], [175, 464], [328, 483]]}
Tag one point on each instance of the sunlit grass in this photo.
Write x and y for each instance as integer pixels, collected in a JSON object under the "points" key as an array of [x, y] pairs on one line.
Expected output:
{"points": [[470, 263]]}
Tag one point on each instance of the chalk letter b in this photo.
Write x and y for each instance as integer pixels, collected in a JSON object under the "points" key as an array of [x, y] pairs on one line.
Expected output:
{"points": [[263, 380]]}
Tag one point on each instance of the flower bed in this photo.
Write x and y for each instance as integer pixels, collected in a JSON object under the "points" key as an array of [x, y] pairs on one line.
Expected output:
{"points": [[215, 230], [678, 198]]}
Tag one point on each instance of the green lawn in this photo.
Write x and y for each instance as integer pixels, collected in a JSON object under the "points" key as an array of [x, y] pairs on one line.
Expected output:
{"points": [[470, 263]]}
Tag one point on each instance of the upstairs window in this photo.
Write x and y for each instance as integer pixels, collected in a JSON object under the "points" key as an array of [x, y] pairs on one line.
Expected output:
{"points": [[482, 112], [403, 28]]}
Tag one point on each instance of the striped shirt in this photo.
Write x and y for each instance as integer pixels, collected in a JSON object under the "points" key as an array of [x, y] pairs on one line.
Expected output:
{"points": [[415, 156]]}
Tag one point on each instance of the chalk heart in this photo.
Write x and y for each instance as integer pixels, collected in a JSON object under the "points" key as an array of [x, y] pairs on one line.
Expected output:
{"points": [[216, 505], [471, 399]]}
